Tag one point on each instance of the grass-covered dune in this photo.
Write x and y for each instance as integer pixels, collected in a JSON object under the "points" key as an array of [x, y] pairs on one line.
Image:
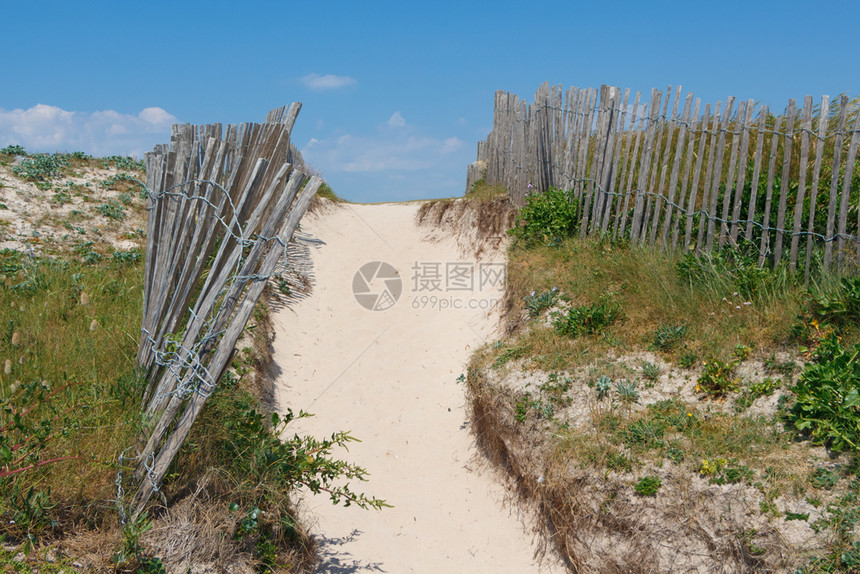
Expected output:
{"points": [[71, 270], [674, 412]]}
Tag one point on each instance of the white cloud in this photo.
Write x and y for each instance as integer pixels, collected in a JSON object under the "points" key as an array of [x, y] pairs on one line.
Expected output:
{"points": [[326, 81], [396, 120], [44, 128], [451, 145], [400, 152]]}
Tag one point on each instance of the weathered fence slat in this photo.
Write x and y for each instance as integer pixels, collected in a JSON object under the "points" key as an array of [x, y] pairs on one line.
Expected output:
{"points": [[704, 220], [688, 164], [676, 166], [645, 167], [834, 182], [759, 147], [718, 170], [631, 162], [742, 173], [816, 173], [788, 139], [803, 168], [694, 187]]}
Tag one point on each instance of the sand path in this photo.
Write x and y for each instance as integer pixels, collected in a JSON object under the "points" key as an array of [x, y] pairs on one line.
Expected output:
{"points": [[390, 377]]}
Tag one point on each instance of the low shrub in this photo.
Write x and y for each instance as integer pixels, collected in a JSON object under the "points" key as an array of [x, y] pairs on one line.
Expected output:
{"points": [[827, 397], [586, 319], [648, 486], [547, 218], [538, 303], [718, 378], [41, 167]]}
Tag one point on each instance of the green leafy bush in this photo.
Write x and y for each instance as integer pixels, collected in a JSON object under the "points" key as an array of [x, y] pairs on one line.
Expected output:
{"points": [[765, 387], [537, 304], [112, 210], [650, 371], [121, 162], [717, 378], [547, 218], [827, 397], [586, 319], [13, 150], [648, 486], [40, 167]]}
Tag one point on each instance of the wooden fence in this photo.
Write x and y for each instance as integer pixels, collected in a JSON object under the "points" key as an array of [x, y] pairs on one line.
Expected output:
{"points": [[669, 172], [224, 203]]}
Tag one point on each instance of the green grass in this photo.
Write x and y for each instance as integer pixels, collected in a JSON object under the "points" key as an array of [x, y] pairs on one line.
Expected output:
{"points": [[482, 191], [661, 307], [53, 342]]}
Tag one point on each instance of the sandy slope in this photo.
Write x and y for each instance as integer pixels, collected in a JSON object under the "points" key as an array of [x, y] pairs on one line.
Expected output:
{"points": [[390, 376]]}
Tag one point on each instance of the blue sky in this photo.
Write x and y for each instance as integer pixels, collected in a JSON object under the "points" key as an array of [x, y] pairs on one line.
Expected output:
{"points": [[396, 94]]}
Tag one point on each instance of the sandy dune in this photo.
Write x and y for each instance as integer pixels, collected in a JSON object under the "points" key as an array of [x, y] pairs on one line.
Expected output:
{"points": [[390, 376]]}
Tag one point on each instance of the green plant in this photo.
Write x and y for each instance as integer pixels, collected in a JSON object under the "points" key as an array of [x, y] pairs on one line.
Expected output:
{"points": [[261, 455], [126, 257], [729, 472], [112, 211], [547, 218], [687, 360], [603, 386], [122, 162], [537, 304], [626, 391], [765, 387], [40, 167], [586, 319], [650, 371], [717, 378], [851, 558], [327, 192], [85, 250], [742, 352], [827, 397], [13, 150], [668, 337], [785, 368], [841, 305], [675, 453], [648, 486], [131, 553], [61, 197], [512, 353], [824, 478], [729, 270]]}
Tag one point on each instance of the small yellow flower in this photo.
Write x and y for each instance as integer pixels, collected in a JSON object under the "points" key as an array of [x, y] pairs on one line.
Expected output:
{"points": [[689, 414]]}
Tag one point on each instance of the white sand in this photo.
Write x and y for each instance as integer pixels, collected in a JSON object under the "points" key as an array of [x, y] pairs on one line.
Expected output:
{"points": [[390, 377]]}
